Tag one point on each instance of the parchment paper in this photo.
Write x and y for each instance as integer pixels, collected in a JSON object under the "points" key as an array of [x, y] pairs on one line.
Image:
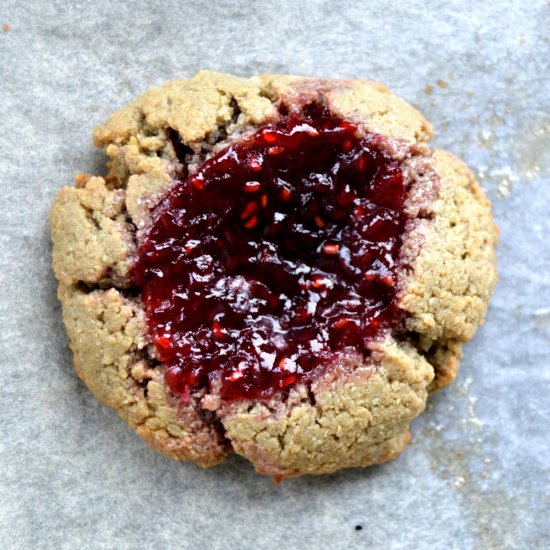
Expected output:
{"points": [[477, 475]]}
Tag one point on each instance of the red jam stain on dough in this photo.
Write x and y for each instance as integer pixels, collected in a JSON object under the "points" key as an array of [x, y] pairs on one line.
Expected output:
{"points": [[273, 258]]}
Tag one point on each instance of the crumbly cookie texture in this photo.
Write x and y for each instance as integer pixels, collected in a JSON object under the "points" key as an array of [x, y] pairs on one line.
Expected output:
{"points": [[358, 412]]}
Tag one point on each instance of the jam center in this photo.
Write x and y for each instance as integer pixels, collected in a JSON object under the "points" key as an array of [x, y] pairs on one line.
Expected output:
{"points": [[276, 256]]}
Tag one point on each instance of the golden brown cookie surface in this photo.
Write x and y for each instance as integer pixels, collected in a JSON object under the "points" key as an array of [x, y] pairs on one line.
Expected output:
{"points": [[357, 411]]}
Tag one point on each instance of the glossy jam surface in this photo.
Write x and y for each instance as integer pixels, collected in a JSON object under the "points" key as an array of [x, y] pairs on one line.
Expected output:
{"points": [[278, 254]]}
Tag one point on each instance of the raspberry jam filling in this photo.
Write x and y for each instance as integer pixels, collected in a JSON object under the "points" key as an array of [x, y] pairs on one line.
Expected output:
{"points": [[276, 256]]}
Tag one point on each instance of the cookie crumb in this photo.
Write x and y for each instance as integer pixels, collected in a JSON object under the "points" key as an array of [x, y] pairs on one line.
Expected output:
{"points": [[138, 371], [6, 27], [541, 317], [505, 178], [442, 83], [80, 180], [459, 482], [521, 41], [428, 89], [504, 189]]}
